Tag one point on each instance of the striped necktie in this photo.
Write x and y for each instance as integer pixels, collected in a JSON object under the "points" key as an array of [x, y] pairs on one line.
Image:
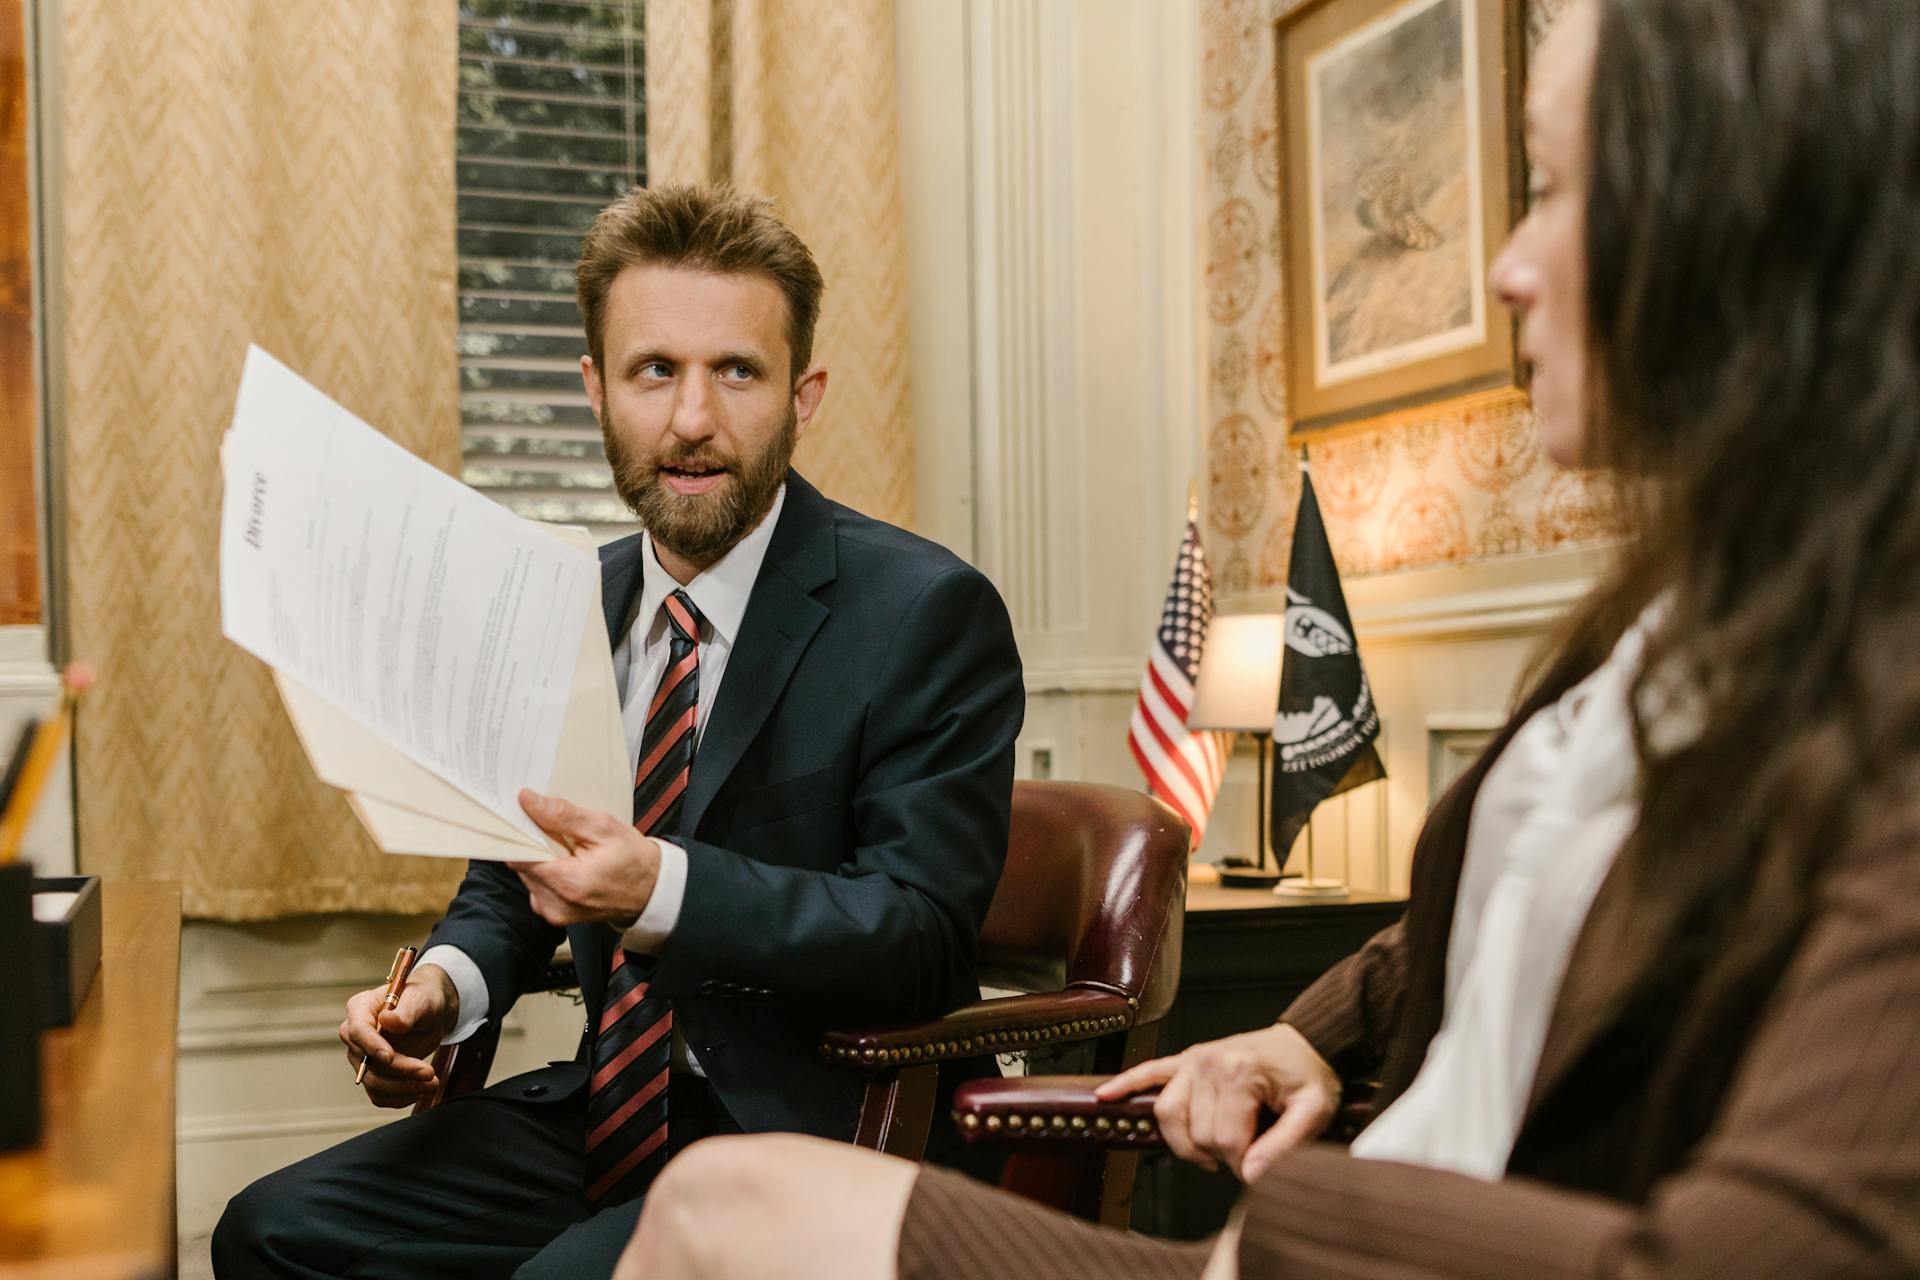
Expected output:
{"points": [[627, 1095]]}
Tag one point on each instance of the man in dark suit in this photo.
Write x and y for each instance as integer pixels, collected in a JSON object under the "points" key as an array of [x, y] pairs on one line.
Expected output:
{"points": [[821, 709]]}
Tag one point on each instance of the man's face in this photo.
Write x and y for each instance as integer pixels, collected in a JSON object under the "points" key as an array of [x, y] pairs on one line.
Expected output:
{"points": [[697, 404]]}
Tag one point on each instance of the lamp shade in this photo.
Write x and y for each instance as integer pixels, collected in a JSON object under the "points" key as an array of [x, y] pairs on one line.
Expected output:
{"points": [[1239, 684]]}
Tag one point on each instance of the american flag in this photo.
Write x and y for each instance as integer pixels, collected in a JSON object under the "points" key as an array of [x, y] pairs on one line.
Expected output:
{"points": [[1182, 768]]}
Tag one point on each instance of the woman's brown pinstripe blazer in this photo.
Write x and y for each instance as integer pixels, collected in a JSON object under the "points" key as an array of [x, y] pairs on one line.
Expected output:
{"points": [[1807, 1158]]}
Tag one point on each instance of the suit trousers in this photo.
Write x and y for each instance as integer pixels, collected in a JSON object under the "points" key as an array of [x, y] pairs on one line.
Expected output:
{"points": [[488, 1185]]}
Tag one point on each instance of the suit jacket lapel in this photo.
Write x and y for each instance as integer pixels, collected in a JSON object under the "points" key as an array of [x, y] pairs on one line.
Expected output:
{"points": [[781, 618], [620, 582], [1593, 995]]}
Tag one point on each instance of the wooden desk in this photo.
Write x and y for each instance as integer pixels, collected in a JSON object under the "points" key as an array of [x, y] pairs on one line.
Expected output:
{"points": [[1247, 954], [96, 1198]]}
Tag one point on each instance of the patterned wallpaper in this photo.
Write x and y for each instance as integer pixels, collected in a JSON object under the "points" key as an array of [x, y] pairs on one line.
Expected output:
{"points": [[1463, 482]]}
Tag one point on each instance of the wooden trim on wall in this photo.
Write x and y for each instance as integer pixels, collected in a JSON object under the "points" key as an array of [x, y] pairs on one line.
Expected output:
{"points": [[19, 542]]}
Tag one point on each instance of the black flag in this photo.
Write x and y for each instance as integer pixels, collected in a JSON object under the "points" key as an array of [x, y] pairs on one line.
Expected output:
{"points": [[1324, 729]]}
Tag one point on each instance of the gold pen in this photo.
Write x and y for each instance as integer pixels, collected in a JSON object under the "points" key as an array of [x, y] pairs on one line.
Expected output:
{"points": [[396, 983]]}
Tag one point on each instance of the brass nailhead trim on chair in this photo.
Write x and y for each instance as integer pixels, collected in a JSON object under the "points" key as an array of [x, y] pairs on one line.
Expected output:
{"points": [[1060, 1128], [991, 1041]]}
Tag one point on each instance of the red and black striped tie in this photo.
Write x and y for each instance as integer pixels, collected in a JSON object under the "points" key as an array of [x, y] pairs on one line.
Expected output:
{"points": [[627, 1096]]}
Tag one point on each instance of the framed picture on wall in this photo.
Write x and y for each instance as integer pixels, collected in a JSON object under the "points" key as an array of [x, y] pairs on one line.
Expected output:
{"points": [[1401, 175]]}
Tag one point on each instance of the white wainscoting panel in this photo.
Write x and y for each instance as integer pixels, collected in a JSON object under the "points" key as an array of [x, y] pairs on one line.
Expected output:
{"points": [[264, 1080], [30, 686]]}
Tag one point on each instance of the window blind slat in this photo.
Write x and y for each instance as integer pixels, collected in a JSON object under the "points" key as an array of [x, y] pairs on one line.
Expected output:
{"points": [[552, 125], [599, 152], [485, 441], [511, 8], [557, 48], [504, 68]]}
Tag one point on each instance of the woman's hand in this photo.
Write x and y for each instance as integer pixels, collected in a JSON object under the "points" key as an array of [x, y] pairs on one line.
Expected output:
{"points": [[1212, 1095]]}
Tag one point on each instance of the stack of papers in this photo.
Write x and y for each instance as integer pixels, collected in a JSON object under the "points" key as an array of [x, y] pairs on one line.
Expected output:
{"points": [[435, 652]]}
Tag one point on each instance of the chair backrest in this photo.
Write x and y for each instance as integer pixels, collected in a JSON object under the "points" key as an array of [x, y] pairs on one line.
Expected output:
{"points": [[1094, 894]]}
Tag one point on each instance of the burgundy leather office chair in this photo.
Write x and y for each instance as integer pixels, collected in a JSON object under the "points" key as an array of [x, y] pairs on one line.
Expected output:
{"points": [[1085, 926]]}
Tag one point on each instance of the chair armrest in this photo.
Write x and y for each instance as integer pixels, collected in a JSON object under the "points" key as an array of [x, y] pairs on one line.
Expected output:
{"points": [[559, 974], [1056, 1111], [985, 1026], [1052, 1112]]}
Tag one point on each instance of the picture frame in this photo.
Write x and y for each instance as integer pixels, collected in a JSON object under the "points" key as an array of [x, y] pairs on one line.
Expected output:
{"points": [[1402, 173]]}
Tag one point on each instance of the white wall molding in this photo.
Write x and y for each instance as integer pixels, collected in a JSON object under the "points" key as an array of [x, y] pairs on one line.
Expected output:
{"points": [[1024, 112], [1489, 600], [336, 1122], [23, 646], [1454, 742], [1509, 612], [30, 686], [935, 163], [1113, 677], [306, 1033]]}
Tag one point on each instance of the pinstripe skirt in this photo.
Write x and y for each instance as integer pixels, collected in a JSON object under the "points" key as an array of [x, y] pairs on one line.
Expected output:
{"points": [[959, 1229]]}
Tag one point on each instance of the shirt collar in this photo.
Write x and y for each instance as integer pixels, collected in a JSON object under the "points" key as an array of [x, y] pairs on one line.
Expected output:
{"points": [[721, 591]]}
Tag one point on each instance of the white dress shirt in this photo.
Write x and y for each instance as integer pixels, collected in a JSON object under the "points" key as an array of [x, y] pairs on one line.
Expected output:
{"points": [[720, 593], [1552, 813]]}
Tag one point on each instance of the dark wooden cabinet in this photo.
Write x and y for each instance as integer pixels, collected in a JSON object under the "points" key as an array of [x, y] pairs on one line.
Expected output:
{"points": [[1247, 954]]}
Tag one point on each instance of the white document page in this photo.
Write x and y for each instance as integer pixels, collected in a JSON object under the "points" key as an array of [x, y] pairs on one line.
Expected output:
{"points": [[436, 619]]}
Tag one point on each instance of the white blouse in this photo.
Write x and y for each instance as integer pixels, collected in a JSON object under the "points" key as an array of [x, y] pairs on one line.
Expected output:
{"points": [[1550, 816]]}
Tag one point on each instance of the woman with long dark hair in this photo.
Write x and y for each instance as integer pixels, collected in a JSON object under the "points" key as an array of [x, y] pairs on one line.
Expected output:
{"points": [[1655, 1011]]}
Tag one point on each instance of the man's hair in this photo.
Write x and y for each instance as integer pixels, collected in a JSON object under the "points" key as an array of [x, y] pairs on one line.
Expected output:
{"points": [[701, 228]]}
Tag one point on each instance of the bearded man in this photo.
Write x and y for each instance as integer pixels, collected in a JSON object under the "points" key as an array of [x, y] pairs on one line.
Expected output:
{"points": [[820, 710]]}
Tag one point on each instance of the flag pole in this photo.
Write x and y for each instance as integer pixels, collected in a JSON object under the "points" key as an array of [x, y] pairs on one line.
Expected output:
{"points": [[1310, 885], [1263, 811]]}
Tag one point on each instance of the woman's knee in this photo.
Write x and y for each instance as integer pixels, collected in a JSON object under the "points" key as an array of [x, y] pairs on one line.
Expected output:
{"points": [[733, 1175], [718, 1201]]}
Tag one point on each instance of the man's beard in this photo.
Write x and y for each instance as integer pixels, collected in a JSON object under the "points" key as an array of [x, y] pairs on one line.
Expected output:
{"points": [[701, 527]]}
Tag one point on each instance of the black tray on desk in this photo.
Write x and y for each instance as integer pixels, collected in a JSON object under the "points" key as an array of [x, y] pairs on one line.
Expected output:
{"points": [[68, 948]]}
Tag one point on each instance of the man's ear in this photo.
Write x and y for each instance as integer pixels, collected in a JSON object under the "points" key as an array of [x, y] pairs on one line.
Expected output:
{"points": [[596, 391], [808, 390]]}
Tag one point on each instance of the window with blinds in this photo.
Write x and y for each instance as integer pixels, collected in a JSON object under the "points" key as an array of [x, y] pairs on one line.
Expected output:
{"points": [[552, 126]]}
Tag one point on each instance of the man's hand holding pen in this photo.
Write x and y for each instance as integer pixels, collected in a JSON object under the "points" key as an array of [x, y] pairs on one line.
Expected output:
{"points": [[397, 1042]]}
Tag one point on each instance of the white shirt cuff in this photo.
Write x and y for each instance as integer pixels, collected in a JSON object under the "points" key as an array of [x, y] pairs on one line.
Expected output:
{"points": [[648, 935], [467, 984]]}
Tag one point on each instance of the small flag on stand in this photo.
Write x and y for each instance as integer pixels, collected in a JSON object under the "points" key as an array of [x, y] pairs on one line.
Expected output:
{"points": [[1324, 729], [1182, 768]]}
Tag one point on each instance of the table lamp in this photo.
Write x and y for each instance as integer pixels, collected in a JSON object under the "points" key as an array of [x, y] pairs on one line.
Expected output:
{"points": [[1238, 689]]}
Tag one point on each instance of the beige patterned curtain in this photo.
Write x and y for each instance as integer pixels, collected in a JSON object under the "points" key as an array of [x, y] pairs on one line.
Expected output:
{"points": [[794, 99], [234, 170]]}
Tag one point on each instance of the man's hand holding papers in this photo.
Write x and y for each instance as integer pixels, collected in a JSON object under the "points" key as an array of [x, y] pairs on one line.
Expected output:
{"points": [[610, 876], [435, 652]]}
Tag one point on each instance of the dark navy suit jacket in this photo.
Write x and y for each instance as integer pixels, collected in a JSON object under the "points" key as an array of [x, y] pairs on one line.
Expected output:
{"points": [[845, 822]]}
